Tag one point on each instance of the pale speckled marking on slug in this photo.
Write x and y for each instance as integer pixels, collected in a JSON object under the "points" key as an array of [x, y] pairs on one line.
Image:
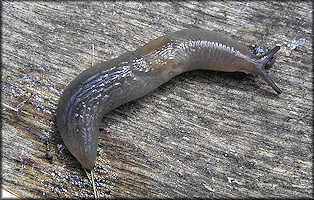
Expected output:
{"points": [[110, 84]]}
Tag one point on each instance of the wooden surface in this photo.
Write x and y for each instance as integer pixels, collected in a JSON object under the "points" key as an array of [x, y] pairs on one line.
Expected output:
{"points": [[202, 134]]}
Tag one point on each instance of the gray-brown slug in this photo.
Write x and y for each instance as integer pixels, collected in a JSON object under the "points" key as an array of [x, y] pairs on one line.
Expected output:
{"points": [[107, 85]]}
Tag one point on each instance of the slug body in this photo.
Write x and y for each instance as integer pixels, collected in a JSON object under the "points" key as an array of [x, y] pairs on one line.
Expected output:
{"points": [[110, 84]]}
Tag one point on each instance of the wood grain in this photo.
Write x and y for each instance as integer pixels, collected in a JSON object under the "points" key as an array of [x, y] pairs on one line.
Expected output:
{"points": [[202, 134]]}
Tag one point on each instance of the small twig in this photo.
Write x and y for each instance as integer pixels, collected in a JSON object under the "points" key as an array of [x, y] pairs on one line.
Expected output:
{"points": [[17, 108], [10, 107], [94, 186], [90, 177]]}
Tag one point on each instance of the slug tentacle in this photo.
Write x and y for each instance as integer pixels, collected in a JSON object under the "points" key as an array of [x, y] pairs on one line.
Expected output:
{"points": [[110, 84], [259, 68]]}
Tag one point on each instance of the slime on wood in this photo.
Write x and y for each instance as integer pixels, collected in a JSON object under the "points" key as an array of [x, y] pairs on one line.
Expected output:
{"points": [[107, 85]]}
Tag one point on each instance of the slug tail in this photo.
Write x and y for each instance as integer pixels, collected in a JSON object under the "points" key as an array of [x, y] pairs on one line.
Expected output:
{"points": [[260, 68]]}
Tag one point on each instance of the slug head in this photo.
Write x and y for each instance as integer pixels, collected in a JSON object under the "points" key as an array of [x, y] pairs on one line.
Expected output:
{"points": [[259, 67]]}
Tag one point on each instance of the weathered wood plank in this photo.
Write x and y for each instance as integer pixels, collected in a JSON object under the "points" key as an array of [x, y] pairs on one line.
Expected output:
{"points": [[202, 134]]}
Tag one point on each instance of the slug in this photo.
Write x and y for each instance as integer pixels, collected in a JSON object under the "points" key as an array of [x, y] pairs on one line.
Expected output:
{"points": [[107, 85]]}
